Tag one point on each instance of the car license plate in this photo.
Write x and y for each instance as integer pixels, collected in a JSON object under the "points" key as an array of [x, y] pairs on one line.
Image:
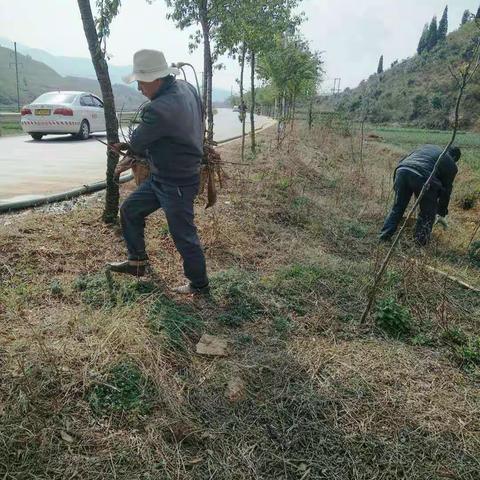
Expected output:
{"points": [[42, 111]]}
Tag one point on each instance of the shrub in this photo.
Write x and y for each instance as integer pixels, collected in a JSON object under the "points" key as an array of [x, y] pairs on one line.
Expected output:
{"points": [[392, 318]]}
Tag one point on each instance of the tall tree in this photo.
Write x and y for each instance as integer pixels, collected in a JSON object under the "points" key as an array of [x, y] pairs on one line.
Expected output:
{"points": [[422, 44], [254, 24], [292, 69], [432, 37], [380, 65], [96, 32], [477, 16], [205, 13], [443, 26], [466, 17]]}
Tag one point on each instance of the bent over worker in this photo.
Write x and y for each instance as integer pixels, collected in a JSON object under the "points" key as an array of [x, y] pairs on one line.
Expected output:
{"points": [[410, 176], [170, 137]]}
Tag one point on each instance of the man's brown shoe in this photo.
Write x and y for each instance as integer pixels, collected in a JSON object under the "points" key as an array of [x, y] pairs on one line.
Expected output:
{"points": [[135, 269]]}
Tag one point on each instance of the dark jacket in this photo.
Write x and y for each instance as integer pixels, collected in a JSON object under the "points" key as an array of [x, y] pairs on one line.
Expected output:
{"points": [[170, 134], [422, 161]]}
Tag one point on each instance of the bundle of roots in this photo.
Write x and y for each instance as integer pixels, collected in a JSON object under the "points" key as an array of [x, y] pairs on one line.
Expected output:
{"points": [[211, 171]]}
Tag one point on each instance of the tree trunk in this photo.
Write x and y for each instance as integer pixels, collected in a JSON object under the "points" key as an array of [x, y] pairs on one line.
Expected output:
{"points": [[252, 107], [242, 100], [310, 113], [208, 70], [110, 212]]}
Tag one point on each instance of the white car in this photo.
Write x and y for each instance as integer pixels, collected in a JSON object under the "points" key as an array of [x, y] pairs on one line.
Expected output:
{"points": [[78, 113]]}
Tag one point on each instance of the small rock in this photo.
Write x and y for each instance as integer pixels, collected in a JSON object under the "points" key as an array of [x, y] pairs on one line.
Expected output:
{"points": [[235, 389], [66, 437], [211, 345]]}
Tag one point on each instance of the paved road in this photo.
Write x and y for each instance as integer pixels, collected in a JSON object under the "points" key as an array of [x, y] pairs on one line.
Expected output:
{"points": [[59, 163]]}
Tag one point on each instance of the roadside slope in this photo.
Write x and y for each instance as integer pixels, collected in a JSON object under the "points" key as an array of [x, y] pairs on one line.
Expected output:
{"points": [[104, 382]]}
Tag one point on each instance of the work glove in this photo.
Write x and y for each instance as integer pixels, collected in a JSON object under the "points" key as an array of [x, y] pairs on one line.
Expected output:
{"points": [[441, 221], [121, 147]]}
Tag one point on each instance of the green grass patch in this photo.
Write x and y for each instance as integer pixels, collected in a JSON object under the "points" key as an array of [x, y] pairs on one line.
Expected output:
{"points": [[101, 291], [125, 389], [7, 129], [179, 322], [296, 285], [237, 293]]}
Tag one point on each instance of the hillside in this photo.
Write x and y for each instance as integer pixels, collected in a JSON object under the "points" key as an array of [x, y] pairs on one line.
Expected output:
{"points": [[36, 78], [419, 91], [82, 67]]}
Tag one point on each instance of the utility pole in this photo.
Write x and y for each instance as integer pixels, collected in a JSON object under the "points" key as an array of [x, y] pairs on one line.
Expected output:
{"points": [[16, 73], [336, 86]]}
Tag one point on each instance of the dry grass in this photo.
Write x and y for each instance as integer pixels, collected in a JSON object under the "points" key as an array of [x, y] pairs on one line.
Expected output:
{"points": [[291, 247]]}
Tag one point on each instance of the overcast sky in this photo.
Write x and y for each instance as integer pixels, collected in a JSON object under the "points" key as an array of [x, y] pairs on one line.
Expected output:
{"points": [[351, 33]]}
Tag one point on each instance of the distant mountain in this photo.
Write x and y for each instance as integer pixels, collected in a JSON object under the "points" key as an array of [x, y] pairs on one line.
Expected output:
{"points": [[420, 90], [36, 78], [82, 67]]}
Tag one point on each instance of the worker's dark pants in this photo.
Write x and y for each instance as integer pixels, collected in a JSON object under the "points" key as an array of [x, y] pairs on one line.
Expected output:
{"points": [[177, 203], [407, 184]]}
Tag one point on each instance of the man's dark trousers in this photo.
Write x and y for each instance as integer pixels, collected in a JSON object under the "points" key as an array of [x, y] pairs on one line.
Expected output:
{"points": [[408, 183], [177, 203]]}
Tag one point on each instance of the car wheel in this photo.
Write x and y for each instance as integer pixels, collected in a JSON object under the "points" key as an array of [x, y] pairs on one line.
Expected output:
{"points": [[37, 136], [84, 132]]}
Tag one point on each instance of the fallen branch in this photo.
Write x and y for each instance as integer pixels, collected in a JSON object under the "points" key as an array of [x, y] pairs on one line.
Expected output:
{"points": [[444, 274]]}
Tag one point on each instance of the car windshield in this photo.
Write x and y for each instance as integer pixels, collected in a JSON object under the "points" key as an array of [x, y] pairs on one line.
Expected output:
{"points": [[56, 97]]}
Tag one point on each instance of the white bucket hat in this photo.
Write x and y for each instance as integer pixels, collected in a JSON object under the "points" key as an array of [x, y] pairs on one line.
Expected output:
{"points": [[148, 65]]}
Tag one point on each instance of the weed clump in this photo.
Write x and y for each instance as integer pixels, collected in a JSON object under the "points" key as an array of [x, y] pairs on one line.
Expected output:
{"points": [[455, 336], [94, 290], [474, 253], [468, 201], [468, 354], [125, 389], [99, 292], [282, 324], [56, 288], [392, 318]]}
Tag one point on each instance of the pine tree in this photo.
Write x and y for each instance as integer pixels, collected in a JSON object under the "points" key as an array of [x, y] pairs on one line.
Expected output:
{"points": [[380, 65], [466, 17], [478, 13], [432, 36], [443, 26], [422, 44]]}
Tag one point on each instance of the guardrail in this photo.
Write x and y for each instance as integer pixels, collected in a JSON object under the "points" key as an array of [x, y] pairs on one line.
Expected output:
{"points": [[14, 117]]}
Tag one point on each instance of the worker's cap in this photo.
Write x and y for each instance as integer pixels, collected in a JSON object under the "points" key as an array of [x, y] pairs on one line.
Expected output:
{"points": [[148, 65]]}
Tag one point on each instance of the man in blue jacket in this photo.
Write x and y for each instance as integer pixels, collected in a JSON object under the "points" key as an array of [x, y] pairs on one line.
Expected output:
{"points": [[410, 175], [170, 137]]}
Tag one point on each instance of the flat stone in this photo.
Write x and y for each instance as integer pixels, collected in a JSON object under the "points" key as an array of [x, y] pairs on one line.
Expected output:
{"points": [[211, 345], [235, 389]]}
